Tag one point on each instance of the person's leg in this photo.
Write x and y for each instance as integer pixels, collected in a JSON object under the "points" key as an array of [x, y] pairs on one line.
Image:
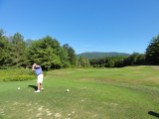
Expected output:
{"points": [[38, 90], [38, 85], [39, 81]]}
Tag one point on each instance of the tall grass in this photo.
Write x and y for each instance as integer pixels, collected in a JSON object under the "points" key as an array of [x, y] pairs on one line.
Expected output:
{"points": [[18, 74]]}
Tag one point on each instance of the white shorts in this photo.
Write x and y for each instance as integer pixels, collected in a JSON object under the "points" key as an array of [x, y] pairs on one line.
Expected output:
{"points": [[40, 78]]}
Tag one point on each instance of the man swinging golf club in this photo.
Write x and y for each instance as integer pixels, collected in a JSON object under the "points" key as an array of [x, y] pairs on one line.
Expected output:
{"points": [[40, 76]]}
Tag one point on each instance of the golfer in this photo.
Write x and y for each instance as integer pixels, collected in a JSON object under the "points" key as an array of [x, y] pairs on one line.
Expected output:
{"points": [[40, 76]]}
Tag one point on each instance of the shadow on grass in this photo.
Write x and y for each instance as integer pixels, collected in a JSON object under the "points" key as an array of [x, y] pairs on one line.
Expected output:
{"points": [[33, 86], [153, 114]]}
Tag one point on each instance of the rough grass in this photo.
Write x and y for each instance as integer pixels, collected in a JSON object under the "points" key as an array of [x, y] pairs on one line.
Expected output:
{"points": [[16, 74], [120, 93]]}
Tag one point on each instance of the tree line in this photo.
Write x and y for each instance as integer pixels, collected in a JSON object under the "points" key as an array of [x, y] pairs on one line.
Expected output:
{"points": [[119, 61], [150, 57], [47, 51]]}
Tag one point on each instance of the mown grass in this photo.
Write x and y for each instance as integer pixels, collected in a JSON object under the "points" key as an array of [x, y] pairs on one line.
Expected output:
{"points": [[118, 93]]}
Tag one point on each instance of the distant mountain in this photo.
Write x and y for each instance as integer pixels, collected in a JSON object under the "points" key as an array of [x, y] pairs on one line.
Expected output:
{"points": [[95, 55]]}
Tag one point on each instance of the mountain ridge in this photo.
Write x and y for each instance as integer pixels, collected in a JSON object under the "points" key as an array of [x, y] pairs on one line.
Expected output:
{"points": [[96, 54]]}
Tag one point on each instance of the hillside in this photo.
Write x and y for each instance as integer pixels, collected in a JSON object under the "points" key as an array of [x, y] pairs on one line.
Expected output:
{"points": [[94, 55]]}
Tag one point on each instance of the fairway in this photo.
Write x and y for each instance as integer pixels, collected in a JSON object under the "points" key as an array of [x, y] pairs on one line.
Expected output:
{"points": [[108, 93]]}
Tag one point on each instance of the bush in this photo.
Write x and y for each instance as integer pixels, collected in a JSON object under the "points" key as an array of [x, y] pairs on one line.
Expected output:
{"points": [[16, 74]]}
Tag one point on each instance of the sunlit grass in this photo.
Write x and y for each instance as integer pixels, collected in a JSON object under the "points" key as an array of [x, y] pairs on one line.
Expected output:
{"points": [[117, 93]]}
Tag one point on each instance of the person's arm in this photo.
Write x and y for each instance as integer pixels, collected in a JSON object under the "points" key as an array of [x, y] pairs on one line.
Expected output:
{"points": [[37, 66], [33, 67]]}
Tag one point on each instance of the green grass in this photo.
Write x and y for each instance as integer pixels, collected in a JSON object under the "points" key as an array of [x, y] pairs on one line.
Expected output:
{"points": [[117, 93], [16, 74]]}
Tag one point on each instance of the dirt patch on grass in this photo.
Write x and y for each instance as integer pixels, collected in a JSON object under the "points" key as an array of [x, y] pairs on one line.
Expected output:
{"points": [[33, 111]]}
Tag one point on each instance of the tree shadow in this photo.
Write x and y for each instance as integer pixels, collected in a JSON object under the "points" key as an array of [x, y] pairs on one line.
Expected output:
{"points": [[153, 114], [33, 86]]}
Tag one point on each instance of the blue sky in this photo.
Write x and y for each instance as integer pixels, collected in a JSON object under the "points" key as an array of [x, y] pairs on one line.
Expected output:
{"points": [[86, 25]]}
